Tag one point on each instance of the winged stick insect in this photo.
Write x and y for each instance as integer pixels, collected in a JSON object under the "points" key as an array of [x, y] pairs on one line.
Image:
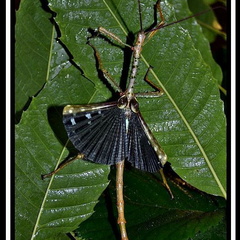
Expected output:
{"points": [[112, 132]]}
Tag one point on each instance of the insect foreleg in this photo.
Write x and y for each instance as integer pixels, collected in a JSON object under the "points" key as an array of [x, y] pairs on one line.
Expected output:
{"points": [[107, 75], [112, 36]]}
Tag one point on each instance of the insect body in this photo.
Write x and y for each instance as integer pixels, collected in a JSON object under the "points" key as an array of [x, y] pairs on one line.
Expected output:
{"points": [[108, 133], [112, 132]]}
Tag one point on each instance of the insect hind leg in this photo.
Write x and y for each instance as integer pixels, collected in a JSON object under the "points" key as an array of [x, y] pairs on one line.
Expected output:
{"points": [[165, 183]]}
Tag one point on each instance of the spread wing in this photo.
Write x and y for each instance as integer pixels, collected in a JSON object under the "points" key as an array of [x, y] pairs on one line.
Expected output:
{"points": [[98, 131], [144, 151]]}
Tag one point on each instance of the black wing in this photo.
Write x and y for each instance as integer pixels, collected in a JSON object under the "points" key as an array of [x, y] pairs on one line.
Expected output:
{"points": [[144, 151], [98, 131]]}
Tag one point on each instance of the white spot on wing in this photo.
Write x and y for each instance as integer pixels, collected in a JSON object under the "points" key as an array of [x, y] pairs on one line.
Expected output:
{"points": [[88, 116], [73, 121], [127, 124]]}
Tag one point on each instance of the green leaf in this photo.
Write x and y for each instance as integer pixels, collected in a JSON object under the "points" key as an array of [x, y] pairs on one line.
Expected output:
{"points": [[201, 43], [188, 121], [34, 36], [57, 205], [48, 209], [209, 23], [150, 214]]}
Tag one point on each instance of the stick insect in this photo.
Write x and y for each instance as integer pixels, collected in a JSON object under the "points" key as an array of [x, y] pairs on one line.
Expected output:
{"points": [[112, 132]]}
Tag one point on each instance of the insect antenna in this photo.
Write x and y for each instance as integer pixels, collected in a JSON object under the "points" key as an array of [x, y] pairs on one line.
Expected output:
{"points": [[140, 15], [181, 20]]}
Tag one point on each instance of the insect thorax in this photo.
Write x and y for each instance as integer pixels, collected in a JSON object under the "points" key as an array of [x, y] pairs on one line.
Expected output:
{"points": [[130, 103]]}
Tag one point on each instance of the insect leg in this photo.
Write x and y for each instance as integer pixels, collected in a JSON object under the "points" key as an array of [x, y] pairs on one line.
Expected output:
{"points": [[162, 22], [108, 76], [157, 93], [62, 165], [112, 36], [165, 183], [120, 201]]}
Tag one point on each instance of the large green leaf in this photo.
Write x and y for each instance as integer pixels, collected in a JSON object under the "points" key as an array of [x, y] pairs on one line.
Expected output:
{"points": [[151, 215], [33, 51], [50, 208], [209, 23], [208, 19], [57, 205], [188, 121]]}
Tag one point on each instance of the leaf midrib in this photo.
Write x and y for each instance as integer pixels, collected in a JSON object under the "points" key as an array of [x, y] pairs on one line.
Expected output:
{"points": [[46, 194], [192, 133]]}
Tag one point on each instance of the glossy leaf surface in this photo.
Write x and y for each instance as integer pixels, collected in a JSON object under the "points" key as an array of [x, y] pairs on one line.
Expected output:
{"points": [[33, 51], [188, 121], [151, 214]]}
